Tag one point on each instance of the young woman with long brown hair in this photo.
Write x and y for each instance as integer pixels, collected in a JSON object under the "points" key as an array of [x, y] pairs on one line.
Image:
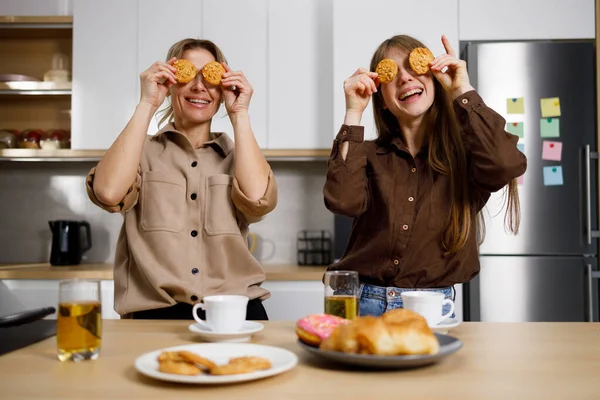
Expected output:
{"points": [[416, 192]]}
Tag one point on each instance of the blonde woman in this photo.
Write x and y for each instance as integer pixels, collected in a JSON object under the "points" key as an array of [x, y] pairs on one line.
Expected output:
{"points": [[416, 192], [187, 193]]}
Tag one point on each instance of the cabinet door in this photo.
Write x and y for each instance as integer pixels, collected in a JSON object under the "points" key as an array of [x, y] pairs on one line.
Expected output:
{"points": [[300, 74], [358, 28], [36, 7], [526, 19], [239, 28], [154, 42], [104, 71]]}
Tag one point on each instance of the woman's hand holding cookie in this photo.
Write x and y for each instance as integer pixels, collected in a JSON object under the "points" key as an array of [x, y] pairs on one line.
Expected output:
{"points": [[156, 81], [358, 89], [237, 91], [456, 79]]}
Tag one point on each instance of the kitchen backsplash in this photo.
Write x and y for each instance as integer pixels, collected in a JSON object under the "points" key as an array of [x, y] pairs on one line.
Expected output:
{"points": [[33, 193]]}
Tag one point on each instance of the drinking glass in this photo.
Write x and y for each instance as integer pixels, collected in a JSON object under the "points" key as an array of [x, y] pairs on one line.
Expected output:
{"points": [[341, 293], [79, 324]]}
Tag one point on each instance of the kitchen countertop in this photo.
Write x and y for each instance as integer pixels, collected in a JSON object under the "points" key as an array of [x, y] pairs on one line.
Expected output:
{"points": [[498, 361], [275, 272]]}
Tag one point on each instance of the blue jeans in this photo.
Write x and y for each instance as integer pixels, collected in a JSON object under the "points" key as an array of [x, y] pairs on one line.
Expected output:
{"points": [[375, 300]]}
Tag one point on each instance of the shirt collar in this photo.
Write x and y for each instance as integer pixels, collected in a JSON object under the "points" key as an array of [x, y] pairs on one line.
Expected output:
{"points": [[397, 144], [217, 139]]}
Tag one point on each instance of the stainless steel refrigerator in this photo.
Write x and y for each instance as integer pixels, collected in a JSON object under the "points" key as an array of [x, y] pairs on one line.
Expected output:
{"points": [[548, 272]]}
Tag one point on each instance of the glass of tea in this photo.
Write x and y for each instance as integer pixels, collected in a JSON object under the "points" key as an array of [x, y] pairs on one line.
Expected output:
{"points": [[341, 293], [79, 324]]}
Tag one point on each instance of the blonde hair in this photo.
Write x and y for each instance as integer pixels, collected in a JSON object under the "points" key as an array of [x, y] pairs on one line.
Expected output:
{"points": [[446, 155], [177, 51]]}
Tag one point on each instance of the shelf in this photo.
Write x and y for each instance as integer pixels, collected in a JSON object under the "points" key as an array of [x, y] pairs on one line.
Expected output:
{"points": [[36, 22], [17, 88], [69, 155]]}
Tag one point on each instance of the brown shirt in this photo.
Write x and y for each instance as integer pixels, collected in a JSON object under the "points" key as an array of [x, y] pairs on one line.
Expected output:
{"points": [[185, 227], [401, 207]]}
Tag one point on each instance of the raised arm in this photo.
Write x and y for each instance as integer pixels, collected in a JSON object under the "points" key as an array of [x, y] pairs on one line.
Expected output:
{"points": [[118, 169]]}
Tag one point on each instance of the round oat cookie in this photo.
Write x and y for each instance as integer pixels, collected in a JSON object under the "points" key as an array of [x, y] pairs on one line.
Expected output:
{"points": [[212, 72], [387, 70], [186, 71], [419, 60]]}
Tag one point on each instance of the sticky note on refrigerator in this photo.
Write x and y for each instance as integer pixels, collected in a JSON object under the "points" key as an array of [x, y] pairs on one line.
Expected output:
{"points": [[521, 147], [515, 105], [521, 180], [551, 150], [516, 128], [550, 127], [550, 107], [553, 176]]}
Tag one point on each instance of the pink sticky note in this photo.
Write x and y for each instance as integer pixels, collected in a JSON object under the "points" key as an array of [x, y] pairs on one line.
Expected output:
{"points": [[551, 150], [521, 180]]}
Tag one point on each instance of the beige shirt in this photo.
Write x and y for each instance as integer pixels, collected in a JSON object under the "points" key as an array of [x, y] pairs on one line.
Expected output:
{"points": [[184, 234]]}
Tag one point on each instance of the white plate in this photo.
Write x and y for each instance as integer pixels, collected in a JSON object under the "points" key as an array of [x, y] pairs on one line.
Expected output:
{"points": [[281, 360], [248, 329], [445, 326]]}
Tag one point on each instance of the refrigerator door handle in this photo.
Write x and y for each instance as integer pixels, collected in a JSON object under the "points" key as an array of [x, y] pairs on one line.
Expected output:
{"points": [[590, 293], [588, 195]]}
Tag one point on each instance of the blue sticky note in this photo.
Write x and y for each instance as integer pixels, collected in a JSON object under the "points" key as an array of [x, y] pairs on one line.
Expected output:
{"points": [[549, 127], [521, 147], [553, 175], [516, 128]]}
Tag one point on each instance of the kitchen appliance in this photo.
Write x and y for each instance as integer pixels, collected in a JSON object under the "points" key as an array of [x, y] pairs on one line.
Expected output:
{"points": [[549, 271], [70, 239]]}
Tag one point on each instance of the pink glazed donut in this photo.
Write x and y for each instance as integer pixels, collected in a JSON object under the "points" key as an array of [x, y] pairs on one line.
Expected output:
{"points": [[313, 329]]}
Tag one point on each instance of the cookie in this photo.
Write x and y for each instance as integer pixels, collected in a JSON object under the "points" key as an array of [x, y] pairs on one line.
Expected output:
{"points": [[196, 359], [186, 71], [212, 72], [169, 356], [178, 368], [387, 70], [257, 363], [419, 60]]}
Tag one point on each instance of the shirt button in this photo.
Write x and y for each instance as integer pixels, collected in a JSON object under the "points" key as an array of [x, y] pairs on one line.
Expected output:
{"points": [[405, 227], [195, 233], [194, 164], [193, 196], [194, 297], [195, 271], [411, 198], [465, 101], [413, 170], [344, 133], [396, 262]]}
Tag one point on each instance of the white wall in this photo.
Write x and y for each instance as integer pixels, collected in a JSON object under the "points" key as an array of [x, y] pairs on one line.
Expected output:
{"points": [[36, 7]]}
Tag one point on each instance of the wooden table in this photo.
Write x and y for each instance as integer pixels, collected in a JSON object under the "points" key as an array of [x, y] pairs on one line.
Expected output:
{"points": [[498, 361]]}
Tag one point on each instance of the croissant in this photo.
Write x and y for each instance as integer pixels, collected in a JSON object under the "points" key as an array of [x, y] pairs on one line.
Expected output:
{"points": [[396, 332]]}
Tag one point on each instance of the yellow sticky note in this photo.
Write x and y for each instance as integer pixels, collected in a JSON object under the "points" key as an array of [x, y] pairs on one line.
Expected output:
{"points": [[550, 107], [515, 105]]}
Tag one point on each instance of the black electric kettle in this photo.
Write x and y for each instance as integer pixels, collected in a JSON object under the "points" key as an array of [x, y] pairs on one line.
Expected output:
{"points": [[70, 239]]}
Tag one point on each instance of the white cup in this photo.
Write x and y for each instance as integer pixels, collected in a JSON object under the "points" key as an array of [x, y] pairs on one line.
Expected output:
{"points": [[428, 304], [224, 313]]}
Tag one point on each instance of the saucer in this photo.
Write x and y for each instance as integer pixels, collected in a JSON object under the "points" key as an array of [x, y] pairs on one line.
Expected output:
{"points": [[445, 325], [243, 335]]}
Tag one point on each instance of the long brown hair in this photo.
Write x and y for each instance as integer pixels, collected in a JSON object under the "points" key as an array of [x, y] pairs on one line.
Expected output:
{"points": [[177, 51], [446, 155]]}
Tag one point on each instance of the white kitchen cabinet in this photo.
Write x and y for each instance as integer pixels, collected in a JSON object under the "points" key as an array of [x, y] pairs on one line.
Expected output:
{"points": [[292, 300], [154, 42], [300, 67], [105, 71], [526, 19], [36, 7], [35, 294], [239, 28], [358, 30]]}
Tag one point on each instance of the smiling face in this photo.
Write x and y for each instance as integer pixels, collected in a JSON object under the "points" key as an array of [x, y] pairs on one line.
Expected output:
{"points": [[409, 96], [197, 101]]}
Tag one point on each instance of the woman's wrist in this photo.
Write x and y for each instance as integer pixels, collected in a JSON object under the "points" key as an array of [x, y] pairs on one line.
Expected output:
{"points": [[352, 117]]}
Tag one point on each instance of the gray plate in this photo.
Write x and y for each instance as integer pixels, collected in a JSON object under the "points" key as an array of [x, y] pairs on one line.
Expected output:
{"points": [[448, 345]]}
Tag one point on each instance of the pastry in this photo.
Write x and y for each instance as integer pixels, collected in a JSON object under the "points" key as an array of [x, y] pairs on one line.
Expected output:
{"points": [[178, 368], [212, 72], [186, 70], [313, 329], [196, 359], [397, 332], [387, 70], [419, 60]]}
